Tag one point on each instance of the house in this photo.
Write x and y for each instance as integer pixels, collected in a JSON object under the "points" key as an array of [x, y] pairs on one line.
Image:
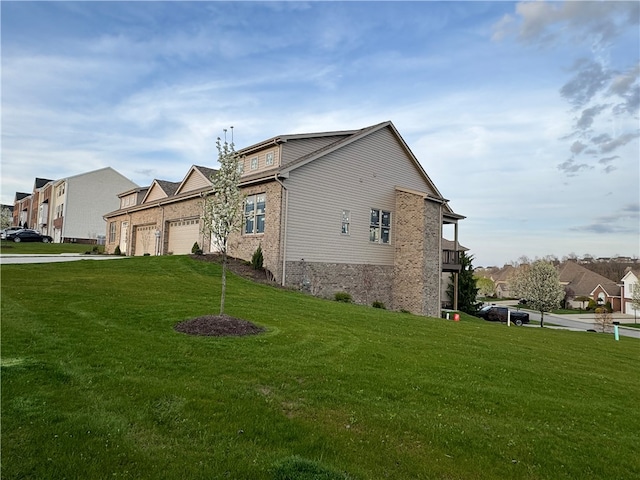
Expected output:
{"points": [[335, 211], [71, 209], [629, 285], [580, 281], [500, 278]]}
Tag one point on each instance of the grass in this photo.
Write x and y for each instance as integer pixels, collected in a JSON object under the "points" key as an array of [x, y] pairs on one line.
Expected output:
{"points": [[97, 384], [13, 248]]}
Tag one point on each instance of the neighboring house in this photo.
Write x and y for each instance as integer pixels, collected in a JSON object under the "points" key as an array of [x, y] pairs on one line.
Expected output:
{"points": [[500, 278], [161, 219], [629, 285], [337, 211], [580, 281], [71, 209]]}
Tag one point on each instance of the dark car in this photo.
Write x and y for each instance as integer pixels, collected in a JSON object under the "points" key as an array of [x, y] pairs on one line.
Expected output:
{"points": [[28, 236], [493, 313]]}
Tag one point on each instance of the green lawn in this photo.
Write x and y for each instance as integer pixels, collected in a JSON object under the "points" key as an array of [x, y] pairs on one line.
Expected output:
{"points": [[13, 248], [96, 384]]}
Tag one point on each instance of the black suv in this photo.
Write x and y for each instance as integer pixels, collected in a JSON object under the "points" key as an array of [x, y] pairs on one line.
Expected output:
{"points": [[494, 313]]}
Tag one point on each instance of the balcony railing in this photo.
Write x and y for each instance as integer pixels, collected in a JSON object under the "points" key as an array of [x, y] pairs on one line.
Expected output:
{"points": [[451, 261]]}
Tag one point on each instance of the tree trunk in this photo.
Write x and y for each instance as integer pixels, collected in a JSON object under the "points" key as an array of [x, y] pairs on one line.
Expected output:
{"points": [[541, 319], [224, 281]]}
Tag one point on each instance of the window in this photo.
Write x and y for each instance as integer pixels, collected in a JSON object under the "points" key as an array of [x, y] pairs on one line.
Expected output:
{"points": [[380, 226], [112, 232], [269, 159], [254, 163], [345, 222], [254, 213]]}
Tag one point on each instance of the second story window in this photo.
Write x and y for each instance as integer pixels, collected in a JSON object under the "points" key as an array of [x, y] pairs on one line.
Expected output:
{"points": [[380, 226], [254, 163], [254, 214], [269, 159]]}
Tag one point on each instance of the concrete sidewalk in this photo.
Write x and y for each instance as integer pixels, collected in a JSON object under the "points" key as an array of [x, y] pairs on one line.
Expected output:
{"points": [[16, 259]]}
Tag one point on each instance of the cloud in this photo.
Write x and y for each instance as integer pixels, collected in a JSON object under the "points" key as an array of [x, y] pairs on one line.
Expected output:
{"points": [[588, 116], [571, 168], [546, 23], [625, 220], [577, 147], [610, 146], [607, 160], [590, 78]]}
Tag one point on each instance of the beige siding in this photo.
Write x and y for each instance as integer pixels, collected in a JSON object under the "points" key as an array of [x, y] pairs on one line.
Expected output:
{"points": [[358, 177], [294, 149], [195, 181], [156, 193], [260, 161]]}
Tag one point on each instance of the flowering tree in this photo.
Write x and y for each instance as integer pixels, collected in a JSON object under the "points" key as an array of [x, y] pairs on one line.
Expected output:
{"points": [[5, 217], [635, 301], [221, 214], [538, 284]]}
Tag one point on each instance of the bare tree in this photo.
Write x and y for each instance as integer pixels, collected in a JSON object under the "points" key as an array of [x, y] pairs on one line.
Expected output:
{"points": [[603, 319], [221, 216], [538, 283]]}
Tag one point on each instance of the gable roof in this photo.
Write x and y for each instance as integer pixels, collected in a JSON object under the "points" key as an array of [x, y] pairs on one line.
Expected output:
{"points": [[41, 182], [631, 271], [344, 138], [161, 188], [197, 177], [583, 281]]}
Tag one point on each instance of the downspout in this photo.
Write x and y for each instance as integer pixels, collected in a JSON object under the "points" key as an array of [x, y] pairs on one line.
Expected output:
{"points": [[283, 234]]}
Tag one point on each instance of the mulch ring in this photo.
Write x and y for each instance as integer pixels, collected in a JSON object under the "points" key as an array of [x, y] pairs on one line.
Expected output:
{"points": [[218, 326]]}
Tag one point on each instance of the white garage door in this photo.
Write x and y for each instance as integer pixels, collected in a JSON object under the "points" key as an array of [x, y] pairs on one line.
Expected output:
{"points": [[145, 240], [182, 236]]}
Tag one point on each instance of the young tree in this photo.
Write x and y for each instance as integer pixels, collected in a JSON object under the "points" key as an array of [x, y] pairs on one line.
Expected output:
{"points": [[467, 289], [603, 319], [222, 206], [486, 286], [538, 283]]}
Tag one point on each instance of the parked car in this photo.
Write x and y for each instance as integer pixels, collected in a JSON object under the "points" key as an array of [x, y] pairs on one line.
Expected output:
{"points": [[494, 313], [28, 236], [6, 231]]}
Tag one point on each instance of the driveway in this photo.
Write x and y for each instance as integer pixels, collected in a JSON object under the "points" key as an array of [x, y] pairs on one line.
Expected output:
{"points": [[13, 259]]}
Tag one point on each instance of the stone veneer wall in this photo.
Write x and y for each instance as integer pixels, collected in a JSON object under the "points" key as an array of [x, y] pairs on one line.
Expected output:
{"points": [[417, 269], [365, 283]]}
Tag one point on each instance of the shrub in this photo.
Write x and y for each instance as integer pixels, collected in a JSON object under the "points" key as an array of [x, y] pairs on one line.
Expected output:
{"points": [[257, 259], [592, 304], [343, 297], [196, 249], [378, 304], [117, 250]]}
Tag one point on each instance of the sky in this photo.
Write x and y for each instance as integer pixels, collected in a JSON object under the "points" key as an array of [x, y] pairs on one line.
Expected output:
{"points": [[524, 114]]}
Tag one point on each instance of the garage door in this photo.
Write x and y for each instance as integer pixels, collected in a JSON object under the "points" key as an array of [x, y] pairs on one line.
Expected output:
{"points": [[182, 236], [145, 240]]}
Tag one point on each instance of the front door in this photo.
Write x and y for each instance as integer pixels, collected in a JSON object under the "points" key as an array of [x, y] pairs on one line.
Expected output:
{"points": [[124, 237]]}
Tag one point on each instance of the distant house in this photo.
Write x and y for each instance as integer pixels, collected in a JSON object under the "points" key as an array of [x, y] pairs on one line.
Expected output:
{"points": [[580, 281], [335, 211], [71, 209], [629, 284]]}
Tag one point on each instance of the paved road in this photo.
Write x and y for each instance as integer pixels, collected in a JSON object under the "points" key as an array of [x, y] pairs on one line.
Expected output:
{"points": [[582, 322], [577, 322], [13, 259]]}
